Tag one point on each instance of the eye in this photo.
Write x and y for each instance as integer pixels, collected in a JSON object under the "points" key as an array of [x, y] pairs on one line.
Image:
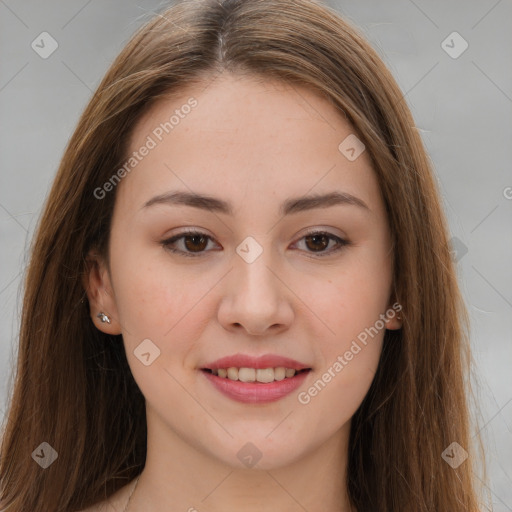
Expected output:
{"points": [[195, 243], [320, 240]]}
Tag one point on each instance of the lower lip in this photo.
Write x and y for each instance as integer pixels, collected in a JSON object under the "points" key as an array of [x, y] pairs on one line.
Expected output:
{"points": [[256, 392]]}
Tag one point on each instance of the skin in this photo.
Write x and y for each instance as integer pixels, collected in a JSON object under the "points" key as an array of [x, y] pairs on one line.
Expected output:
{"points": [[254, 143]]}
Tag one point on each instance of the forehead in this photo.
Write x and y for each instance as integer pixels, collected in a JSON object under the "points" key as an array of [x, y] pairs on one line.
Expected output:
{"points": [[244, 136]]}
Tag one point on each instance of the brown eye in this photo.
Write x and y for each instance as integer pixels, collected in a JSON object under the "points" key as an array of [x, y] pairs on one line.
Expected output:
{"points": [[318, 241], [194, 243]]}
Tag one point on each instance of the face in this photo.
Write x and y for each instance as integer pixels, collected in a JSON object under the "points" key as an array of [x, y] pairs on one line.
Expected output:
{"points": [[262, 272]]}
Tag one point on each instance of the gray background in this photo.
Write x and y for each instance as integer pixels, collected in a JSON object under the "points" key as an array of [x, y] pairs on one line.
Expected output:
{"points": [[462, 107]]}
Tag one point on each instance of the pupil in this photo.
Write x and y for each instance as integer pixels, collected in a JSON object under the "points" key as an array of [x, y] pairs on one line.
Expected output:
{"points": [[316, 237], [195, 241]]}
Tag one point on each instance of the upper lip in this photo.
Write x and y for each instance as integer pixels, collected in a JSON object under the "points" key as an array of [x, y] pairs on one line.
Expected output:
{"points": [[247, 361]]}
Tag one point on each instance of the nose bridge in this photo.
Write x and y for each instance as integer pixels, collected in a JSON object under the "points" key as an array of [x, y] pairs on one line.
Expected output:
{"points": [[253, 276]]}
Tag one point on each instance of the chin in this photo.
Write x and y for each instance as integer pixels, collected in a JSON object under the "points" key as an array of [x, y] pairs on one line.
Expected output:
{"points": [[257, 455]]}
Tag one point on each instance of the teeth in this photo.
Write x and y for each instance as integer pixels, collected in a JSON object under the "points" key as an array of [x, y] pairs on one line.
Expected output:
{"points": [[263, 375], [280, 373], [247, 374], [232, 373]]}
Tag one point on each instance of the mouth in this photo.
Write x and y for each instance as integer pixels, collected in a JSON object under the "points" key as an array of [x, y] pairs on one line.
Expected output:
{"points": [[256, 375], [251, 385]]}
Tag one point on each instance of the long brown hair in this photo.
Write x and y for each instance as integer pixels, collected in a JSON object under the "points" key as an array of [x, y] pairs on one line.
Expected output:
{"points": [[73, 387]]}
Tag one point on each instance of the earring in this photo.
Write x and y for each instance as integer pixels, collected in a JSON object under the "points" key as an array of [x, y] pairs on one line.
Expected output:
{"points": [[104, 318]]}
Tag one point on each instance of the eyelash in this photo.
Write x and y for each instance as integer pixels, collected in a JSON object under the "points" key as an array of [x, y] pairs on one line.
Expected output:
{"points": [[168, 242]]}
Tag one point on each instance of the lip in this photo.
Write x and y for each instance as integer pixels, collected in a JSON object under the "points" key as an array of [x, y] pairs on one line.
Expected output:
{"points": [[247, 361], [256, 392]]}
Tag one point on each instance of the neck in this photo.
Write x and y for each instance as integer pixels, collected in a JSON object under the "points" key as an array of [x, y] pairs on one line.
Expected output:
{"points": [[179, 476]]}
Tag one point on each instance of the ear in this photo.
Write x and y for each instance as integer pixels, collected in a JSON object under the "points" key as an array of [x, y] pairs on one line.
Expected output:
{"points": [[394, 316], [100, 293]]}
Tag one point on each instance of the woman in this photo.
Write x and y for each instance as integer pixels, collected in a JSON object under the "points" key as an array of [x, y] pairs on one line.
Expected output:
{"points": [[241, 294]]}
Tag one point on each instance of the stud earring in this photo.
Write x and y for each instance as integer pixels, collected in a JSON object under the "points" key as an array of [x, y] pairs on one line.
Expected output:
{"points": [[104, 318]]}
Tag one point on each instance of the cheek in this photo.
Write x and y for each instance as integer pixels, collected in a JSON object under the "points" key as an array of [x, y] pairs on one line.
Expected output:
{"points": [[142, 298], [347, 303], [159, 302], [339, 387], [350, 304]]}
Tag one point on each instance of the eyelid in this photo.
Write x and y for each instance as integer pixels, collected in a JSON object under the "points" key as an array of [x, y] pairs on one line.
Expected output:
{"points": [[187, 232], [342, 242]]}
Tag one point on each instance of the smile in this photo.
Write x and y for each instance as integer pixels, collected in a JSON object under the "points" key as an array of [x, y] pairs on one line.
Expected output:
{"points": [[251, 385]]}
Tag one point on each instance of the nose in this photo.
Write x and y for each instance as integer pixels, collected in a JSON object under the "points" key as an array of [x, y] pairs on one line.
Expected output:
{"points": [[256, 298]]}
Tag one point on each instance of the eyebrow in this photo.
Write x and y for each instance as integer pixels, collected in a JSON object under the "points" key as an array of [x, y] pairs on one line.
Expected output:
{"points": [[290, 206]]}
